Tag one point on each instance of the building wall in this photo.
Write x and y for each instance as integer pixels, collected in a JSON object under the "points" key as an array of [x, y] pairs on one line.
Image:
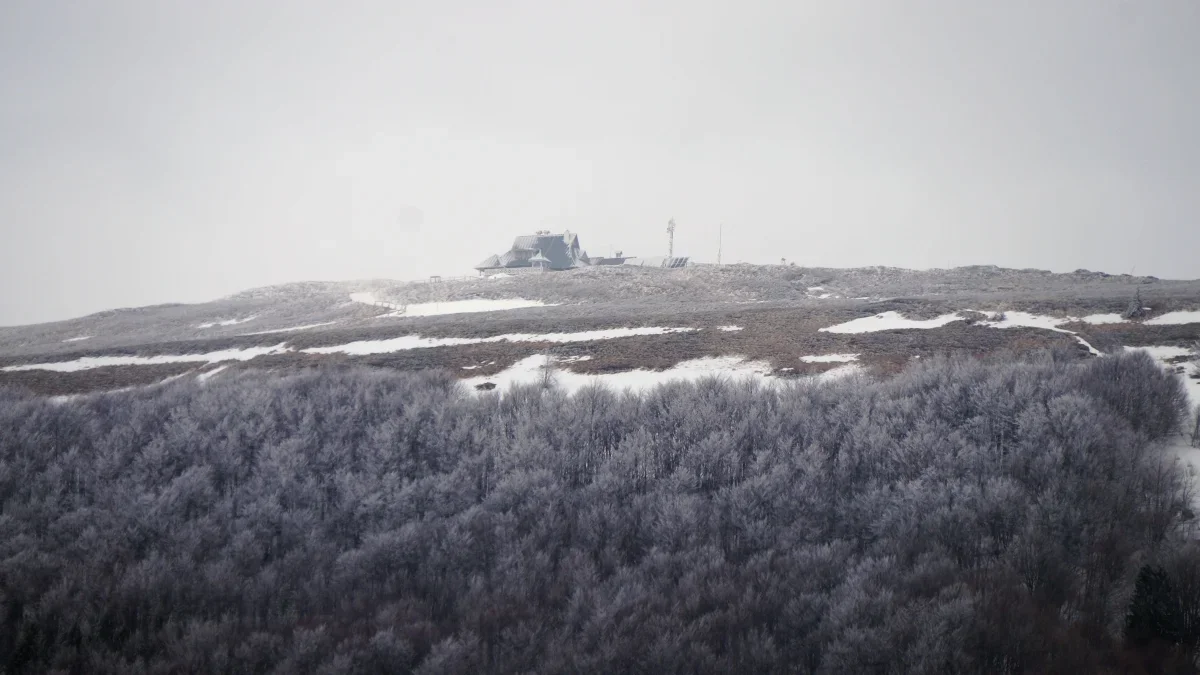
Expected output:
{"points": [[512, 271]]}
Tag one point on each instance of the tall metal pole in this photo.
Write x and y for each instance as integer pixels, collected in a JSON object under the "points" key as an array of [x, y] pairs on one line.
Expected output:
{"points": [[671, 238], [720, 240]]}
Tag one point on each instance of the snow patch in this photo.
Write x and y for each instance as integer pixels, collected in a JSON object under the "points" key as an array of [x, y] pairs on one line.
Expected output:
{"points": [[289, 330], [1162, 354], [468, 307], [67, 398], [830, 358], [227, 322], [406, 342], [1179, 446], [1099, 319], [895, 321], [1092, 350], [890, 321], [532, 370], [442, 308], [204, 376], [368, 298], [729, 329], [1027, 320], [90, 362], [840, 372], [78, 339], [1174, 318]]}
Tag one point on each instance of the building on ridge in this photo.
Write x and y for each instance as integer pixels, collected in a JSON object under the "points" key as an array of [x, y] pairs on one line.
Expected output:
{"points": [[541, 251], [544, 252]]}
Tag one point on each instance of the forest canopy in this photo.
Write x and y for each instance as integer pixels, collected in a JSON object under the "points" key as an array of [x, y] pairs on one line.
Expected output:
{"points": [[964, 516]]}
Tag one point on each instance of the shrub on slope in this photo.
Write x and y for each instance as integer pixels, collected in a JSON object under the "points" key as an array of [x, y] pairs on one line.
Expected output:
{"points": [[961, 517]]}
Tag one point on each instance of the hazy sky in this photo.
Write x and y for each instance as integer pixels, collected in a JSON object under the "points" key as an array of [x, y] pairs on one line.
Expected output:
{"points": [[169, 151]]}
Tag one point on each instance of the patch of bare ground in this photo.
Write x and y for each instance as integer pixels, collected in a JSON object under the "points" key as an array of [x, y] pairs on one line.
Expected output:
{"points": [[779, 338], [803, 315], [538, 321], [1107, 337], [51, 383], [772, 332], [616, 294]]}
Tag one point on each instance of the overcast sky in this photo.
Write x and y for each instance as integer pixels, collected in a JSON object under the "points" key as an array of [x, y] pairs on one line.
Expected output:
{"points": [[167, 151]]}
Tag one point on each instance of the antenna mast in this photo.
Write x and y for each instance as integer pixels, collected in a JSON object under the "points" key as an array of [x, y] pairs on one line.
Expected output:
{"points": [[720, 240], [671, 238]]}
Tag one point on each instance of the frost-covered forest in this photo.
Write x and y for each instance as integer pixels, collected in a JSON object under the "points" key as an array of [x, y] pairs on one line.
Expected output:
{"points": [[1007, 516]]}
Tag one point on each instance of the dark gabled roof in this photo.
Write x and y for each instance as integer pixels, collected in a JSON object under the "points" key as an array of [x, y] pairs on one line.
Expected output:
{"points": [[528, 242], [557, 251], [515, 258], [560, 250], [491, 262]]}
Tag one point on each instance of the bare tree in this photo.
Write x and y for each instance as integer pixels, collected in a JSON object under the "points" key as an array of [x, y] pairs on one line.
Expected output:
{"points": [[546, 372], [1196, 427], [1195, 374], [959, 517]]}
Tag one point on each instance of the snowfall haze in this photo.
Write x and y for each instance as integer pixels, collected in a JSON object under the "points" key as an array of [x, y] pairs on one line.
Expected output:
{"points": [[178, 152]]}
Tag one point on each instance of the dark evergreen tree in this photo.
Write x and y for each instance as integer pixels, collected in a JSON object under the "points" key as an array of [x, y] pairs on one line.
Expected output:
{"points": [[1155, 613]]}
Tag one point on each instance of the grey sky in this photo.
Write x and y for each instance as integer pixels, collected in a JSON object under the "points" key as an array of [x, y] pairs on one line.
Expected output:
{"points": [[160, 151]]}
